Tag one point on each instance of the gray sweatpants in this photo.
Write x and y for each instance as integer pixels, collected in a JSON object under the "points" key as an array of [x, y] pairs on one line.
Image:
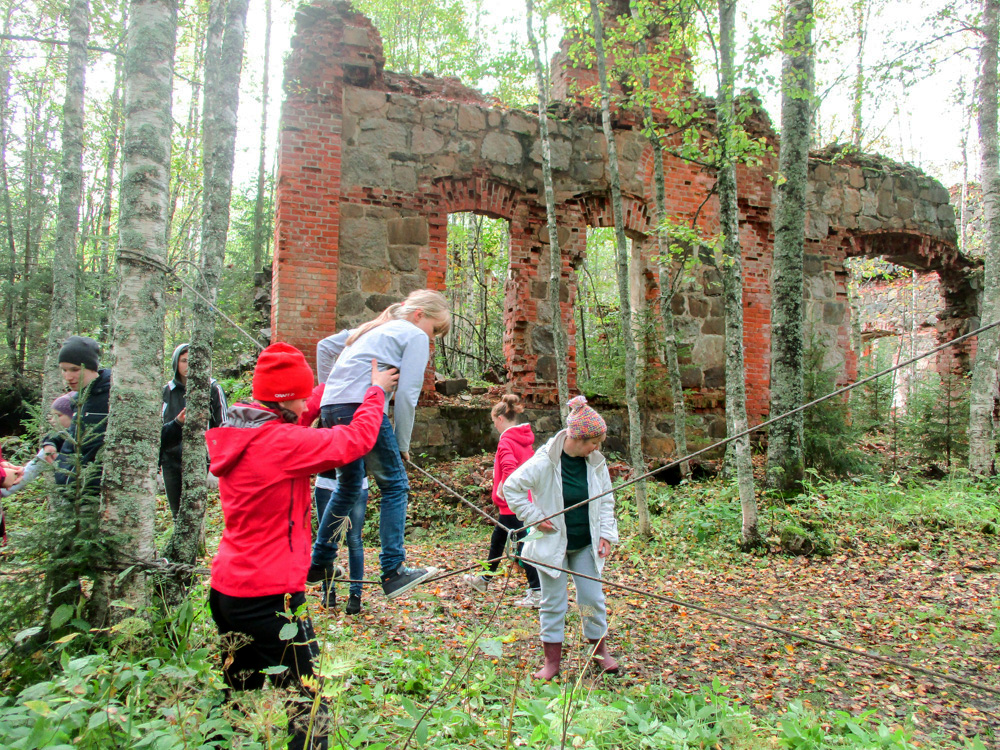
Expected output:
{"points": [[589, 595]]}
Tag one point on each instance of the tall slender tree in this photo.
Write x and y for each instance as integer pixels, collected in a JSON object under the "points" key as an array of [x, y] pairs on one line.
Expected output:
{"points": [[555, 255], [63, 321], [667, 277], [625, 301], [983, 392], [259, 225], [223, 68], [133, 433], [732, 275], [784, 452]]}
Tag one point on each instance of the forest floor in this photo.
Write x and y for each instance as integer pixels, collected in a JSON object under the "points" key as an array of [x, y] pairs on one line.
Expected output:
{"points": [[915, 580], [903, 568]]}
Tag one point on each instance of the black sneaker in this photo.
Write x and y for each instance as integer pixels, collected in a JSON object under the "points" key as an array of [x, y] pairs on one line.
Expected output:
{"points": [[353, 604], [404, 579], [319, 574]]}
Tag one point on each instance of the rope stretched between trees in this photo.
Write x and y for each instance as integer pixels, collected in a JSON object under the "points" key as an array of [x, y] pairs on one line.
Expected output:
{"points": [[762, 626], [769, 422]]}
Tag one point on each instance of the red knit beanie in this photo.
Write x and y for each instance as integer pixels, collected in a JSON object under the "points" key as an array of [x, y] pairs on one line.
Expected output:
{"points": [[282, 374]]}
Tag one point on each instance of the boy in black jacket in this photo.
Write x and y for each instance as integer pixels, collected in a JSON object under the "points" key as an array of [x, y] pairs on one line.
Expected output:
{"points": [[174, 415]]}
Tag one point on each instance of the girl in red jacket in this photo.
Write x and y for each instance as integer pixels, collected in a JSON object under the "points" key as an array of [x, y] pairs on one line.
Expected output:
{"points": [[515, 447], [263, 460]]}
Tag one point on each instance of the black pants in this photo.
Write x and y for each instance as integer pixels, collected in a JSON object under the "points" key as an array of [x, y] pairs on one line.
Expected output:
{"points": [[172, 484], [499, 540], [261, 618]]}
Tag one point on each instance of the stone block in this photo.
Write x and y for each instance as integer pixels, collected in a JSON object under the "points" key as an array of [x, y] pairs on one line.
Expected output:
{"points": [[856, 178], [411, 282], [712, 283], [821, 173], [542, 341], [519, 122], [411, 230], [717, 428], [886, 203], [355, 36], [811, 265], [852, 202], [493, 118], [502, 148], [350, 305], [386, 136], [715, 377], [817, 225], [677, 304], [363, 167], [946, 214], [714, 327], [904, 208], [868, 203], [351, 211], [833, 313], [348, 128], [404, 257], [363, 242], [364, 102], [376, 280], [691, 376], [404, 178], [451, 387], [698, 308], [426, 141], [545, 369], [561, 153], [378, 302], [471, 119], [709, 351]]}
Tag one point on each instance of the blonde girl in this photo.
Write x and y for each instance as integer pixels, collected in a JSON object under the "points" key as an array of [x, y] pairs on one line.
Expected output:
{"points": [[399, 337]]}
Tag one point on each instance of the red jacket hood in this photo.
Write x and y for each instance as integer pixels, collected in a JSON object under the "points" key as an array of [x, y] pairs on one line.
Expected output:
{"points": [[515, 447], [264, 464]]}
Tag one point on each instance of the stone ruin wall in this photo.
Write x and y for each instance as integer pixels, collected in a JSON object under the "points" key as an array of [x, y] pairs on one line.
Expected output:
{"points": [[371, 163]]}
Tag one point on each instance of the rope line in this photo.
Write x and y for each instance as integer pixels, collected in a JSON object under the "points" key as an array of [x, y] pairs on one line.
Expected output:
{"points": [[769, 422], [781, 631]]}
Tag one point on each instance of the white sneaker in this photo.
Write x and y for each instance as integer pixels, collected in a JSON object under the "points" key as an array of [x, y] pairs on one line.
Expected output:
{"points": [[532, 599], [479, 583]]}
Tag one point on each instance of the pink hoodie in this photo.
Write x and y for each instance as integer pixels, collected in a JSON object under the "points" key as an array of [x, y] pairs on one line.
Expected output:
{"points": [[516, 446]]}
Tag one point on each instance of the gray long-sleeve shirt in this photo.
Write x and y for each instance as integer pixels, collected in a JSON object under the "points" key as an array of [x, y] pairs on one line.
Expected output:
{"points": [[348, 369]]}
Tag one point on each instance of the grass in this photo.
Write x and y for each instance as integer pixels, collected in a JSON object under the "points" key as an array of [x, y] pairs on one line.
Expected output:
{"points": [[693, 683]]}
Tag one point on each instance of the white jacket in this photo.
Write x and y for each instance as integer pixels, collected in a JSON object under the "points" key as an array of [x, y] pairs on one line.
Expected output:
{"points": [[542, 475]]}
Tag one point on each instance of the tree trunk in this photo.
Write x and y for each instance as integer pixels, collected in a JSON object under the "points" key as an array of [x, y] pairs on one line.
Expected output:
{"points": [[628, 337], [63, 322], [555, 254], [259, 239], [784, 452], [983, 393], [9, 297], [736, 402], [666, 279], [133, 435], [223, 66]]}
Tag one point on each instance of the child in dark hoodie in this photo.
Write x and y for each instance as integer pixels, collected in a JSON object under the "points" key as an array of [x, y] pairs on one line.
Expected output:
{"points": [[263, 460], [174, 414], [515, 447]]}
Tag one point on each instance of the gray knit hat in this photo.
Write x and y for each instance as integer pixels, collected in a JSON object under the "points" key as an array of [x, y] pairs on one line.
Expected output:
{"points": [[81, 350]]}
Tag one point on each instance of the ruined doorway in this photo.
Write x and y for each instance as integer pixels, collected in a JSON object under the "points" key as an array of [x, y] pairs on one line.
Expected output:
{"points": [[477, 269]]}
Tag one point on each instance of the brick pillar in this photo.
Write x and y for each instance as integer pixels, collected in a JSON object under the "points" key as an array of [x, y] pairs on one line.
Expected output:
{"points": [[329, 40], [756, 244]]}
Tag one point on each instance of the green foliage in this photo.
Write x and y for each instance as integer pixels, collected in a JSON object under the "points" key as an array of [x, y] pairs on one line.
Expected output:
{"points": [[936, 421], [148, 686], [830, 440], [871, 404]]}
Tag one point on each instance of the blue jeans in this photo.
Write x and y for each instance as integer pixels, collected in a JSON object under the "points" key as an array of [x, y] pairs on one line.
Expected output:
{"points": [[385, 464], [355, 548]]}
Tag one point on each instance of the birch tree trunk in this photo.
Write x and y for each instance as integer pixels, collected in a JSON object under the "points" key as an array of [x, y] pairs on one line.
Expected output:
{"points": [[133, 434], [983, 391], [259, 239], [223, 67], [625, 303], [736, 400], [63, 321], [667, 280], [555, 255], [784, 450]]}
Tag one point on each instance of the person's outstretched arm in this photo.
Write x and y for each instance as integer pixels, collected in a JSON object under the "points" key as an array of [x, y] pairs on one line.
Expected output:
{"points": [[411, 381]]}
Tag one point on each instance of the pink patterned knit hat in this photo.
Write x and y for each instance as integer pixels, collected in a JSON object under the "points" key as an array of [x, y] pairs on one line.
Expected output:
{"points": [[583, 422]]}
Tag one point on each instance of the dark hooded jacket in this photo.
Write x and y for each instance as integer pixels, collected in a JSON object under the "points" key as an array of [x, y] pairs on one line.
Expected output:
{"points": [[264, 465], [174, 400], [80, 445]]}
